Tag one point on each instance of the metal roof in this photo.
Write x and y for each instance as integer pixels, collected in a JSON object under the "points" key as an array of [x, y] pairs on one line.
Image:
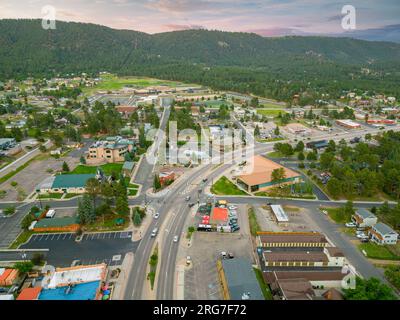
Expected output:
{"points": [[364, 213], [383, 229], [241, 279], [71, 180]]}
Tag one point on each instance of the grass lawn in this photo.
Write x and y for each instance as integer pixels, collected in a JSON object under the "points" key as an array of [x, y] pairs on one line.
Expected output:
{"points": [[285, 192], [375, 251], [109, 223], [21, 239], [71, 195], [264, 287], [271, 112], [133, 186], [337, 215], [51, 196], [132, 192], [254, 226], [107, 169], [225, 187]]}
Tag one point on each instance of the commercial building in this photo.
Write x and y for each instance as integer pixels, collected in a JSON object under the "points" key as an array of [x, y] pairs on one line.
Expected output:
{"points": [[30, 294], [387, 122], [65, 183], [8, 276], [292, 289], [111, 150], [383, 234], [219, 216], [364, 218], [126, 111], [317, 144], [260, 178], [291, 239], [325, 279], [238, 280], [307, 259], [349, 124]]}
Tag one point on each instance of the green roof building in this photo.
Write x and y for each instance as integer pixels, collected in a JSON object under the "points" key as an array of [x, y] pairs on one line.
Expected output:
{"points": [[66, 181]]}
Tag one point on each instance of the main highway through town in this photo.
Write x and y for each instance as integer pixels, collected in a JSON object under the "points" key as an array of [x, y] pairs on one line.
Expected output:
{"points": [[173, 211]]}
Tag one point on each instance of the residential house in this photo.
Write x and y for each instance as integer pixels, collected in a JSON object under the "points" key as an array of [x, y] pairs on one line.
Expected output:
{"points": [[364, 218], [383, 234]]}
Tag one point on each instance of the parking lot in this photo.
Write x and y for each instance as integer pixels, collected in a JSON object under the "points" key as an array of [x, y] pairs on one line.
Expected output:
{"points": [[31, 176], [108, 247], [201, 278]]}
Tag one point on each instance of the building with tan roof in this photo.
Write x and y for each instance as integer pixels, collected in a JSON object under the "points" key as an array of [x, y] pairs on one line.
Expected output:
{"points": [[260, 178]]}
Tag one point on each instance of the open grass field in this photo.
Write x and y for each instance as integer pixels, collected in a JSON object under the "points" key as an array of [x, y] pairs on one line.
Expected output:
{"points": [[112, 82], [107, 169], [375, 251], [225, 187], [270, 112]]}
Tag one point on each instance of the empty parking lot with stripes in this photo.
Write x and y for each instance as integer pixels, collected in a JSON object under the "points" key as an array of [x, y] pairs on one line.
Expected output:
{"points": [[109, 247]]}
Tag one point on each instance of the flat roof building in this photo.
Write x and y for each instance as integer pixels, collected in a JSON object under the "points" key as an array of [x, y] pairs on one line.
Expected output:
{"points": [[347, 123], [291, 239], [260, 178], [238, 280]]}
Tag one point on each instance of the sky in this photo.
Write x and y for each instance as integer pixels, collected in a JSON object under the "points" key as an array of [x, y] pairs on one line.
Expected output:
{"points": [[265, 17]]}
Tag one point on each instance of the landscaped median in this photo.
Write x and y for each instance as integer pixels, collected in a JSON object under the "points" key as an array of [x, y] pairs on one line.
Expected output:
{"points": [[153, 267]]}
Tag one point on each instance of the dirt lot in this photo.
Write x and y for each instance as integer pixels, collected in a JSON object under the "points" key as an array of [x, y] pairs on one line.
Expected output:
{"points": [[32, 175], [299, 220], [201, 279]]}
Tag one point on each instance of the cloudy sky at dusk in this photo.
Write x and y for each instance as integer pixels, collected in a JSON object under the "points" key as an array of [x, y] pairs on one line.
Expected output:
{"points": [[266, 17]]}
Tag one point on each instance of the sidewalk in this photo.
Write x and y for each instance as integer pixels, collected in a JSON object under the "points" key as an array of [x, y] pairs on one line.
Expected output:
{"points": [[120, 285]]}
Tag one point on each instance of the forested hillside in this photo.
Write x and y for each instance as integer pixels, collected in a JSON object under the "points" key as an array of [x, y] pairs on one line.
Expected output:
{"points": [[275, 67]]}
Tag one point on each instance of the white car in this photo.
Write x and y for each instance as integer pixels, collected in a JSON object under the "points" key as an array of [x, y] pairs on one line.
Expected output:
{"points": [[351, 225], [232, 207], [361, 236], [176, 238], [156, 215]]}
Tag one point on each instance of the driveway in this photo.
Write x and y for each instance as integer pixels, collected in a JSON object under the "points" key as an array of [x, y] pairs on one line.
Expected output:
{"points": [[109, 247]]}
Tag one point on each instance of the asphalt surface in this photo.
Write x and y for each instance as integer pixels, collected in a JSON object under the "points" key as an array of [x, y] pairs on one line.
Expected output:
{"points": [[93, 248]]}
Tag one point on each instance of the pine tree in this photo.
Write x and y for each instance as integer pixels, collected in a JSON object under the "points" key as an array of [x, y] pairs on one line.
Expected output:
{"points": [[65, 167]]}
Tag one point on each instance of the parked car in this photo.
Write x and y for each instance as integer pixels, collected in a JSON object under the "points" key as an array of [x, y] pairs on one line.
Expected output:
{"points": [[176, 238], [232, 207], [188, 260], [235, 225], [364, 240], [223, 254], [191, 205], [156, 215], [187, 198], [351, 225], [361, 236], [230, 255], [235, 228]]}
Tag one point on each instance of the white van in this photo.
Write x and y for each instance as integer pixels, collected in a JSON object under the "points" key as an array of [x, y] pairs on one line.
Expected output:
{"points": [[51, 213]]}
